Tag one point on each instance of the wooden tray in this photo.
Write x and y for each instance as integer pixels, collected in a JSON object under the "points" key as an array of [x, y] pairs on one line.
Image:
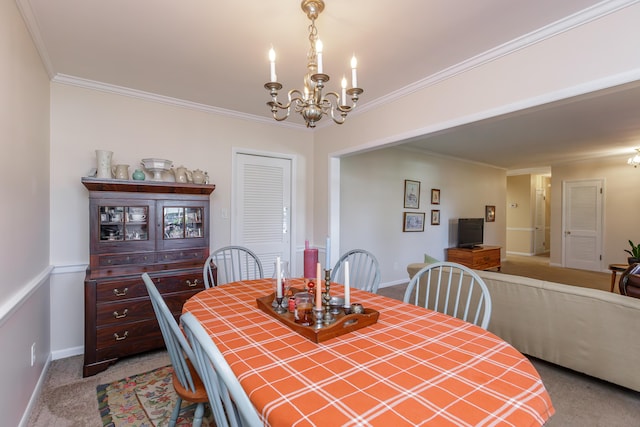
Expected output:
{"points": [[343, 324]]}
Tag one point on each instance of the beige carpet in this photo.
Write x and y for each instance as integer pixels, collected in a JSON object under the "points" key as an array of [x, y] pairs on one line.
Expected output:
{"points": [[68, 400], [538, 267]]}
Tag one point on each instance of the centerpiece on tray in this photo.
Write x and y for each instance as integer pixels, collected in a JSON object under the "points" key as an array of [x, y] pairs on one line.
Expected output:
{"points": [[329, 317]]}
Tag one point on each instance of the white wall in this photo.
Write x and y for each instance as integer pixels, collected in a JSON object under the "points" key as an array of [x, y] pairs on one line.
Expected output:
{"points": [[592, 56], [621, 205], [84, 120], [24, 246], [372, 205]]}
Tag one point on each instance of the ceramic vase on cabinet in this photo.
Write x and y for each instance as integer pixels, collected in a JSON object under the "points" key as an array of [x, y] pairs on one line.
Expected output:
{"points": [[104, 164], [138, 175], [198, 176], [181, 174], [121, 172]]}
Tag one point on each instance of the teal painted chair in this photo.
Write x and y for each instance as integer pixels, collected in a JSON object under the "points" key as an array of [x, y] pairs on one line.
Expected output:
{"points": [[186, 381], [229, 402], [452, 289], [364, 270], [233, 263]]}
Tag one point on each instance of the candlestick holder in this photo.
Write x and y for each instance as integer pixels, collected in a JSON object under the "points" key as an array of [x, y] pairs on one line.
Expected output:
{"points": [[319, 314], [326, 296], [279, 308]]}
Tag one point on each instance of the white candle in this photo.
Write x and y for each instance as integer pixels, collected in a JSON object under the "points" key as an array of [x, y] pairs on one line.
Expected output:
{"points": [[344, 91], [272, 61], [278, 279], [327, 261], [347, 288], [354, 77], [318, 288], [319, 54]]}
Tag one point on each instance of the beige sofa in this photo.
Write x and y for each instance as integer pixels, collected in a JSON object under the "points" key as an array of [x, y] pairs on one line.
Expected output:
{"points": [[590, 331]]}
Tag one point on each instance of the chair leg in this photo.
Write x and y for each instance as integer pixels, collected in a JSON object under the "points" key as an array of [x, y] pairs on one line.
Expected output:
{"points": [[197, 416], [175, 413]]}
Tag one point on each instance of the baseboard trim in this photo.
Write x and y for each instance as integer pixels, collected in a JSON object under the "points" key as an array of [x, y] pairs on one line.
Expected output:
{"points": [[36, 394], [67, 352], [520, 253], [394, 282]]}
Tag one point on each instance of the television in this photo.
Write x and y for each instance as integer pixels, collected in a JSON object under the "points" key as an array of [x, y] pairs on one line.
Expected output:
{"points": [[470, 232]]}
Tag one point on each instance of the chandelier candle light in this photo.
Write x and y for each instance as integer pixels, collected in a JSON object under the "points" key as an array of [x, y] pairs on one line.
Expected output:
{"points": [[311, 103], [635, 160]]}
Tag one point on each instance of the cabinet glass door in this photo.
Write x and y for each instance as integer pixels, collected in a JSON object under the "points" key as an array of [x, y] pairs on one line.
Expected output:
{"points": [[182, 222], [119, 223], [193, 221], [137, 223]]}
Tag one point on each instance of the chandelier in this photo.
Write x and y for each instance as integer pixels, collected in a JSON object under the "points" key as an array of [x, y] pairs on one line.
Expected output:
{"points": [[311, 102], [635, 160]]}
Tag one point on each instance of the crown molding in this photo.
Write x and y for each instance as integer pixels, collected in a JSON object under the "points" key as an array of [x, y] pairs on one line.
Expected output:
{"points": [[148, 96], [583, 17]]}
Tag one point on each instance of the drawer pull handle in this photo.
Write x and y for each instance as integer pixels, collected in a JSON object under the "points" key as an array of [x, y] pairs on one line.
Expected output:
{"points": [[192, 285], [120, 338], [120, 294], [120, 316]]}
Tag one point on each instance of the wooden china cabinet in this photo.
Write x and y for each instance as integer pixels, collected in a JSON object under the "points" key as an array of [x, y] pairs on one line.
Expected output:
{"points": [[161, 228]]}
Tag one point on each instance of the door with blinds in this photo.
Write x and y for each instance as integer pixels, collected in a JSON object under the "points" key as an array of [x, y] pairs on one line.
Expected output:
{"points": [[582, 224], [261, 209]]}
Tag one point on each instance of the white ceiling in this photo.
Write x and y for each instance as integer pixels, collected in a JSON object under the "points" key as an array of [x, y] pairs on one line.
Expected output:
{"points": [[214, 53]]}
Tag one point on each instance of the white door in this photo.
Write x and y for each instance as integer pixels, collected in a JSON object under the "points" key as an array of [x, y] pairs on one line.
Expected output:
{"points": [[261, 210], [538, 237], [582, 224]]}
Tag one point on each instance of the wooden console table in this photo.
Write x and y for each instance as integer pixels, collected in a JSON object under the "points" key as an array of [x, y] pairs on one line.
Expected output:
{"points": [[477, 258]]}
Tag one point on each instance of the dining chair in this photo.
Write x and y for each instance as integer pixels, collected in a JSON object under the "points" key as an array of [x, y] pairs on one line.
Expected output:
{"points": [[229, 402], [452, 289], [186, 381], [364, 270], [233, 263]]}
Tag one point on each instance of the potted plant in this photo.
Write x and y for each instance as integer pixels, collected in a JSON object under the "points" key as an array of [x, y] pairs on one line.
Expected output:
{"points": [[634, 252]]}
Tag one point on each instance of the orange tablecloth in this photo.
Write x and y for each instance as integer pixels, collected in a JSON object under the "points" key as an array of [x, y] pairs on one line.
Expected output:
{"points": [[414, 367]]}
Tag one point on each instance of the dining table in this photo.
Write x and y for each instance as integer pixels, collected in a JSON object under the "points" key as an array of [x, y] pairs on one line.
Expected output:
{"points": [[413, 367]]}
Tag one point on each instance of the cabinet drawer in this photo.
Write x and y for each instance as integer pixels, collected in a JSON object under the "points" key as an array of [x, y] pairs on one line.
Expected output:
{"points": [[126, 259], [151, 341], [137, 309], [121, 290], [128, 335], [183, 255]]}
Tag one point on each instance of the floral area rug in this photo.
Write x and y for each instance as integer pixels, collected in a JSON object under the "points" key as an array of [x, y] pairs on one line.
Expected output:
{"points": [[144, 400]]}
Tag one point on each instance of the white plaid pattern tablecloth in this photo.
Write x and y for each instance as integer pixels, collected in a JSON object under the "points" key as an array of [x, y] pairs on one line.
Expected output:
{"points": [[414, 367]]}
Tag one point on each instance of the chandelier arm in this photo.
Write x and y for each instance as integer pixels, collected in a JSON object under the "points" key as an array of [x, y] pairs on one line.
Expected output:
{"points": [[311, 103]]}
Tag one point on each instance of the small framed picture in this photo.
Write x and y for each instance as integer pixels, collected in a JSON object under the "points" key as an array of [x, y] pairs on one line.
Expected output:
{"points": [[413, 221], [411, 194], [435, 196], [435, 217], [489, 213]]}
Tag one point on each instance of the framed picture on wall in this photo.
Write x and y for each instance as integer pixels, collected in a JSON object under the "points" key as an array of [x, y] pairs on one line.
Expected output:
{"points": [[435, 217], [489, 213], [413, 221], [411, 194], [435, 196]]}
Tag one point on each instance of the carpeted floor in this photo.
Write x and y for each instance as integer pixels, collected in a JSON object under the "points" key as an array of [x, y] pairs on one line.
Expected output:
{"points": [[68, 400]]}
